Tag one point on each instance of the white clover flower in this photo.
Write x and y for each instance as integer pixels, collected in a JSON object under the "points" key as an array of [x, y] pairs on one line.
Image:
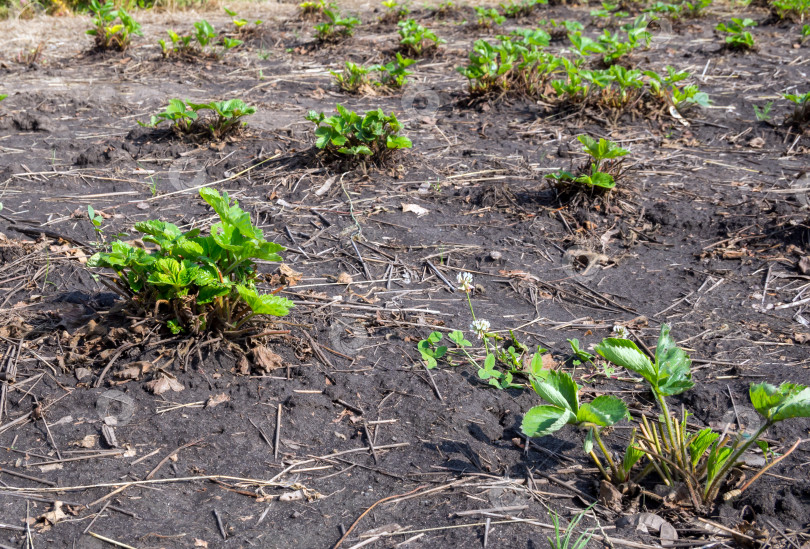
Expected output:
{"points": [[621, 332], [465, 281], [480, 327]]}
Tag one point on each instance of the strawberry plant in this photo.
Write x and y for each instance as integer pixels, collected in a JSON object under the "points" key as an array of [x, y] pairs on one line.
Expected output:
{"points": [[791, 9], [184, 116], [509, 65], [109, 34], [335, 27], [609, 9], [357, 79], [738, 38], [801, 112], [415, 38], [394, 11], [700, 461], [204, 33], [243, 25], [531, 37], [666, 89], [195, 283], [444, 9], [349, 134], [230, 43], [178, 44], [177, 113], [522, 8], [583, 45], [314, 9], [672, 11], [805, 33], [675, 11], [687, 96], [200, 42], [394, 74], [594, 178], [565, 408], [558, 30], [637, 36], [354, 78], [488, 17]]}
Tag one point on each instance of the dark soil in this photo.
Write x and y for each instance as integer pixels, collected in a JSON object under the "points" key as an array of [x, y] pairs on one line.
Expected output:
{"points": [[707, 234]]}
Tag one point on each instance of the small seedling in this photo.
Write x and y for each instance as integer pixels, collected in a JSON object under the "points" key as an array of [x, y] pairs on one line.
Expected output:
{"points": [[805, 33], [109, 34], [335, 27], [563, 539], [430, 350], [580, 355], [96, 220], [347, 134], [763, 114], [3, 96], [738, 38], [415, 38]]}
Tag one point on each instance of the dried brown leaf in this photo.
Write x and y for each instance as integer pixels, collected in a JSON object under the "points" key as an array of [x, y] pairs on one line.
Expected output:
{"points": [[160, 386], [215, 400], [265, 359]]}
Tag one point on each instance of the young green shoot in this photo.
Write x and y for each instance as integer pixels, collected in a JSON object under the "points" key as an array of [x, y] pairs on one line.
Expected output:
{"points": [[763, 114]]}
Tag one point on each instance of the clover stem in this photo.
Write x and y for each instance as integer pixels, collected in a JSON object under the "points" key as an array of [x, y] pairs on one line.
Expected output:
{"points": [[469, 302], [472, 312]]}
